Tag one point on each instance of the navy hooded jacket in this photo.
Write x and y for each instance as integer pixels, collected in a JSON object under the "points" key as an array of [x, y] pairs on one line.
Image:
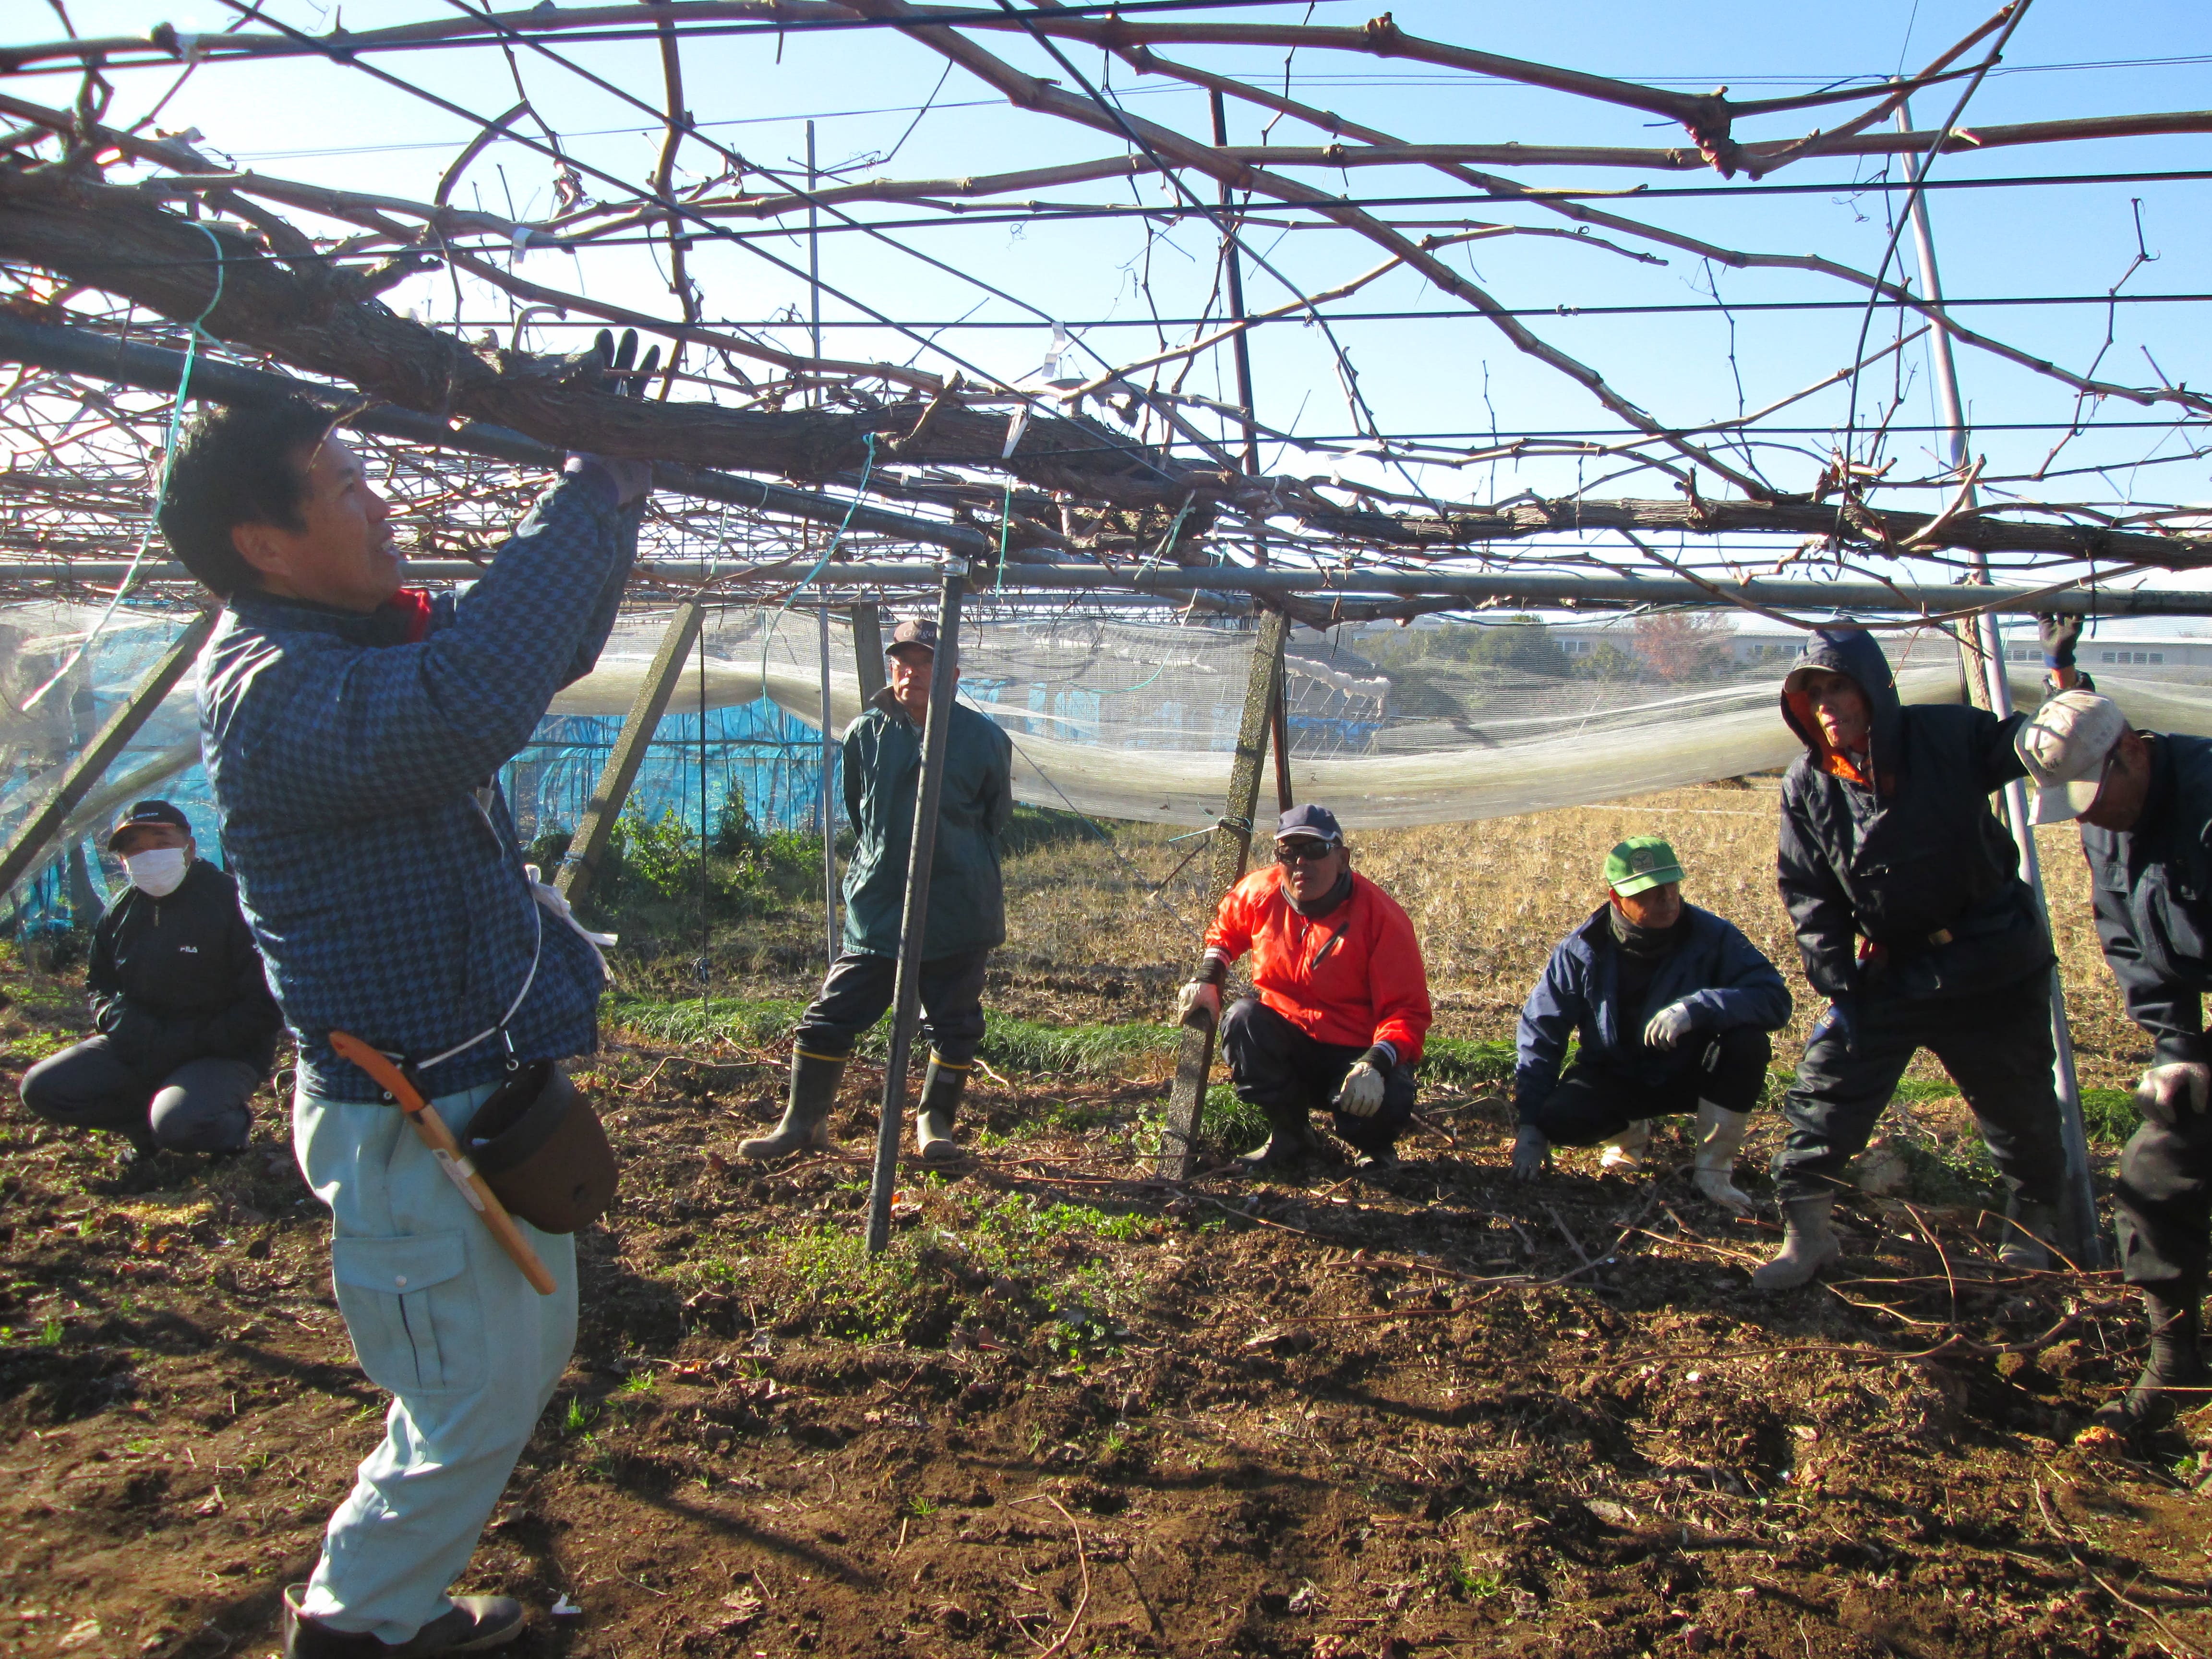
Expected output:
{"points": [[2152, 890], [1911, 859], [1726, 979]]}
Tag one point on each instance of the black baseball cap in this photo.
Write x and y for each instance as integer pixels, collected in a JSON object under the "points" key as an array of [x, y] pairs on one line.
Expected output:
{"points": [[916, 630], [1308, 820], [148, 812]]}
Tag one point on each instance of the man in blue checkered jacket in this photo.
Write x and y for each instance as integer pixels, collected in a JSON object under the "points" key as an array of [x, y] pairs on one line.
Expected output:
{"points": [[353, 732]]}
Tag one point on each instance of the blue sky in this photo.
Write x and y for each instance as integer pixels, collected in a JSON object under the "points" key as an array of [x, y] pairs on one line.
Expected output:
{"points": [[1449, 373]]}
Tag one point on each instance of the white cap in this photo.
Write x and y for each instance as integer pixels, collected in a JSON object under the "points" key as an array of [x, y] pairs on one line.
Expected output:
{"points": [[2064, 746]]}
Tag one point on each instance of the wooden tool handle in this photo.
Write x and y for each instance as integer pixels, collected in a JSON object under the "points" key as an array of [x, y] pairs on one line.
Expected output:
{"points": [[450, 1158]]}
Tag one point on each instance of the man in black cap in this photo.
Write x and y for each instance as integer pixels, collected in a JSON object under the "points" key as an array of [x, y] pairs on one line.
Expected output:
{"points": [[967, 903], [186, 1027], [1339, 1000]]}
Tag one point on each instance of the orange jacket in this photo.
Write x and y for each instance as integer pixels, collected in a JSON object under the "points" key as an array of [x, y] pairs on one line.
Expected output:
{"points": [[1355, 977]]}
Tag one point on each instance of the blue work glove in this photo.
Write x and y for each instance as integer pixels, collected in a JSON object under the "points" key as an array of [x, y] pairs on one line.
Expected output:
{"points": [[625, 378]]}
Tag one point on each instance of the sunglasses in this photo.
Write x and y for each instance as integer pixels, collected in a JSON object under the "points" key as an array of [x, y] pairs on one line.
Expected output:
{"points": [[1310, 851]]}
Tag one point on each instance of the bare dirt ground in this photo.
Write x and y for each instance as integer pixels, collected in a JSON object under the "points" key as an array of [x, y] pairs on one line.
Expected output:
{"points": [[1076, 1411]]}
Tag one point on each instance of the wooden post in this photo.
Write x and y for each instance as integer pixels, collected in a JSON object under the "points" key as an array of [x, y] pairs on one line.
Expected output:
{"points": [[78, 777], [1232, 843], [914, 923], [1982, 658], [868, 649], [589, 844], [1279, 719]]}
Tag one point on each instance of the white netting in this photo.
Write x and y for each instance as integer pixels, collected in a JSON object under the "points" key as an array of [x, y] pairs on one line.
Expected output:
{"points": [[1138, 719]]}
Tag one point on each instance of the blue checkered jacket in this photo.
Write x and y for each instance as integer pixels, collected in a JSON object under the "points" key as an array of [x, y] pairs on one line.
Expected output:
{"points": [[345, 765]]}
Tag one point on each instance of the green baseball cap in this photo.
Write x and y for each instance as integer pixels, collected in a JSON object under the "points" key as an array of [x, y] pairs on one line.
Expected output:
{"points": [[1641, 863]]}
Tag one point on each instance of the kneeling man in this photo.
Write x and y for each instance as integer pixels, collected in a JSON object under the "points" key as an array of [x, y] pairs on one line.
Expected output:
{"points": [[1674, 1006], [1340, 999]]}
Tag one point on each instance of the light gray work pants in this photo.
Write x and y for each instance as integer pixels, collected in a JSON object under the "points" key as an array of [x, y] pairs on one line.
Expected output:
{"points": [[440, 1317]]}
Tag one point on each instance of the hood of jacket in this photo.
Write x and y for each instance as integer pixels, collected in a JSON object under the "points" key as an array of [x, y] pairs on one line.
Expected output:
{"points": [[1852, 653]]}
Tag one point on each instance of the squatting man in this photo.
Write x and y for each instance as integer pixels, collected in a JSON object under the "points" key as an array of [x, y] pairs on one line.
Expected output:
{"points": [[184, 1026], [353, 733], [1672, 1006], [1339, 1006]]}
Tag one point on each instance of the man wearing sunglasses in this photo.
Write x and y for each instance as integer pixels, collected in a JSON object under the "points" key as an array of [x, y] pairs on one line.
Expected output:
{"points": [[2144, 800], [1340, 999]]}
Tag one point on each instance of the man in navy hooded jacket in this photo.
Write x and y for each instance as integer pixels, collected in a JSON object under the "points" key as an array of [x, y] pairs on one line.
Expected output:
{"points": [[1674, 1006], [1914, 922]]}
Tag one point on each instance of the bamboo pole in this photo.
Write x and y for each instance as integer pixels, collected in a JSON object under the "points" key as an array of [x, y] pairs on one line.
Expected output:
{"points": [[589, 844], [914, 923], [92, 762], [1231, 848]]}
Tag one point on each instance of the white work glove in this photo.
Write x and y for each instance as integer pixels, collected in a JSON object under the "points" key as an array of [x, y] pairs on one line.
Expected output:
{"points": [[1669, 1026], [2167, 1091], [1362, 1093], [1531, 1153], [1199, 994]]}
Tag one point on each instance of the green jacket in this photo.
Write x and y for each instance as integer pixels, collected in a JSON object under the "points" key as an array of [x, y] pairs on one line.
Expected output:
{"points": [[883, 770]]}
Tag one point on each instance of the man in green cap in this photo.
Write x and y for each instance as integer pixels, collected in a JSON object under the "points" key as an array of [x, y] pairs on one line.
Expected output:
{"points": [[1673, 1006]]}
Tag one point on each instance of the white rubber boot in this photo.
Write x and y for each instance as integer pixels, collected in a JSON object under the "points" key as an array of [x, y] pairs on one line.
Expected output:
{"points": [[1719, 1139], [1625, 1149], [1808, 1245]]}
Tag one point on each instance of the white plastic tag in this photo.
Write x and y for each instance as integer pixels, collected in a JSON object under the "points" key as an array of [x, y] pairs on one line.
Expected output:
{"points": [[458, 1170]]}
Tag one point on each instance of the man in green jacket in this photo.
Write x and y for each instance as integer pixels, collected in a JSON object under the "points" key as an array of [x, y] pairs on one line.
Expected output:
{"points": [[967, 903]]}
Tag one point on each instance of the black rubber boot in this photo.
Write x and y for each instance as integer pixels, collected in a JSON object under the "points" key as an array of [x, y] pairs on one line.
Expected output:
{"points": [[474, 1624], [1292, 1145], [2027, 1241], [941, 1103], [2174, 1380], [813, 1092]]}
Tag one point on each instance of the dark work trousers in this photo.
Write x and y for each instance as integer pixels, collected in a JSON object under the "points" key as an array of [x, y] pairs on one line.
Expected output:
{"points": [[860, 989], [1996, 1047], [1595, 1103], [200, 1106], [2162, 1204], [1288, 1074]]}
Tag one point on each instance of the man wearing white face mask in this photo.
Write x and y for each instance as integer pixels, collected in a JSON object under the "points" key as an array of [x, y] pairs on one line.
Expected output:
{"points": [[186, 1027]]}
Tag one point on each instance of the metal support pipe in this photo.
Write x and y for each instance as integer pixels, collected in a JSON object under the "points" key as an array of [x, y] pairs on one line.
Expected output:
{"points": [[913, 921], [828, 787], [1820, 598], [589, 844], [78, 777], [1982, 658], [1232, 845]]}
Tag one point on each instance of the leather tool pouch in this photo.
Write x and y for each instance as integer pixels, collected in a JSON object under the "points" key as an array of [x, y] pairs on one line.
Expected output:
{"points": [[540, 1146]]}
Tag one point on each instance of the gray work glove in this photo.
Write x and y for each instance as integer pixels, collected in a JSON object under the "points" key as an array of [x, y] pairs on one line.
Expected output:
{"points": [[1361, 1095], [1199, 994], [1531, 1153], [2059, 635], [2167, 1091], [1669, 1026]]}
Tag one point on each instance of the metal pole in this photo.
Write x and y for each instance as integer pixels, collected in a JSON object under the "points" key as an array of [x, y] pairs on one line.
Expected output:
{"points": [[1240, 345], [821, 611], [914, 923], [589, 844], [92, 761], [1232, 843], [1989, 687]]}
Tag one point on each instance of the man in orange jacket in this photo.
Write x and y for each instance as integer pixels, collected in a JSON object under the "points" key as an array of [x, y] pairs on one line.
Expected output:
{"points": [[1338, 1004]]}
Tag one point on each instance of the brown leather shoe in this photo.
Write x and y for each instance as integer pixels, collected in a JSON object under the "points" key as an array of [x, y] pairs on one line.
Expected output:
{"points": [[474, 1624]]}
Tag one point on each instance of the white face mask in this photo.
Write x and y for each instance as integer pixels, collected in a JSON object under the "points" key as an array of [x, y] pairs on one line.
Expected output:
{"points": [[159, 872]]}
